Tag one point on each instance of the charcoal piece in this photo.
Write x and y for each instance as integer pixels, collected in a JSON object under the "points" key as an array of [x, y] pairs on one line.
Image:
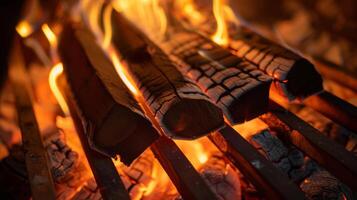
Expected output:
{"points": [[323, 186], [291, 161], [178, 104], [237, 87], [62, 158], [221, 177], [113, 121], [294, 76]]}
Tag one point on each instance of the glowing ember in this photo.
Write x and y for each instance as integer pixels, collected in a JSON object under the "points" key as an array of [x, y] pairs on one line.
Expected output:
{"points": [[24, 29]]}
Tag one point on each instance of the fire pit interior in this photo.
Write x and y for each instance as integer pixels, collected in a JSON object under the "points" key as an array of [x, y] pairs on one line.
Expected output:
{"points": [[178, 99]]}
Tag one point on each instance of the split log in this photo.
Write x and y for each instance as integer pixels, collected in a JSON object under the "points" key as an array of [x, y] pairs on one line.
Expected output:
{"points": [[294, 76], [237, 87], [112, 119], [177, 103]]}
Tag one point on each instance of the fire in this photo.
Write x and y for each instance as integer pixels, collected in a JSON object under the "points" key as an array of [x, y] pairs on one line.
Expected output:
{"points": [[123, 74], [107, 26], [24, 29], [49, 35], [221, 36], [249, 128], [188, 10], [149, 14], [52, 39], [56, 71]]}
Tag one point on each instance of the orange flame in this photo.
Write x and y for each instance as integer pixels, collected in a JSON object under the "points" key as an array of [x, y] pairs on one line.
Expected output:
{"points": [[188, 9], [56, 71], [24, 29], [52, 39], [107, 26], [123, 74], [221, 36]]}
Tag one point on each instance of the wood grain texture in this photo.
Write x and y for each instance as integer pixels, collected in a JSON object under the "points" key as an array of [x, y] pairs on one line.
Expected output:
{"points": [[177, 103], [112, 119], [237, 87]]}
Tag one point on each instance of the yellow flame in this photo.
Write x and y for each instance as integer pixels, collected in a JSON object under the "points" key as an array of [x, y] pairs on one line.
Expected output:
{"points": [[107, 26], [24, 29], [188, 9], [119, 68], [51, 37], [56, 71], [221, 36]]}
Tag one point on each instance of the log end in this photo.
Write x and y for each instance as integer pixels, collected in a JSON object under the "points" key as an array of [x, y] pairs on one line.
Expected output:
{"points": [[250, 104], [309, 85], [192, 118], [124, 133]]}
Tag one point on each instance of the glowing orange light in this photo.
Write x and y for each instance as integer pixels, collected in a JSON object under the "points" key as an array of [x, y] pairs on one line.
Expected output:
{"points": [[56, 71], [221, 36], [24, 29], [51, 37], [189, 11], [119, 68], [107, 26]]}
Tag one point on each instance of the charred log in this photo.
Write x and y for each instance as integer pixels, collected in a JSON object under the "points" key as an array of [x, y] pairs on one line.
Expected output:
{"points": [[237, 87], [113, 121], [178, 104]]}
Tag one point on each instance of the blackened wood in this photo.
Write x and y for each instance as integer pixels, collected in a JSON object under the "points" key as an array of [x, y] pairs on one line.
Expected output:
{"points": [[177, 103], [187, 180], [103, 168], [263, 174], [330, 155], [335, 109], [112, 119], [294, 76], [237, 87], [36, 158]]}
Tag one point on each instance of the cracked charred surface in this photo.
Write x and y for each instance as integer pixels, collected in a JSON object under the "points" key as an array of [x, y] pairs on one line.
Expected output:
{"points": [[178, 104], [237, 87]]}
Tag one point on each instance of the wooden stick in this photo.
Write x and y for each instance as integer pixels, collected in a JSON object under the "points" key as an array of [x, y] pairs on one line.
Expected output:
{"points": [[177, 103], [112, 119], [335, 158], [237, 87], [263, 174], [103, 168], [36, 158], [335, 109], [187, 180]]}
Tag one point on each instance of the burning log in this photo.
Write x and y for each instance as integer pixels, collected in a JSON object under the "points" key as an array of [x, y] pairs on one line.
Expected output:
{"points": [[237, 87], [294, 76], [112, 119], [179, 105]]}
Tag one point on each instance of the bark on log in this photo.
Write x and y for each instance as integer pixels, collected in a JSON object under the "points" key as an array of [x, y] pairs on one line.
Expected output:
{"points": [[237, 87], [112, 119], [178, 104]]}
